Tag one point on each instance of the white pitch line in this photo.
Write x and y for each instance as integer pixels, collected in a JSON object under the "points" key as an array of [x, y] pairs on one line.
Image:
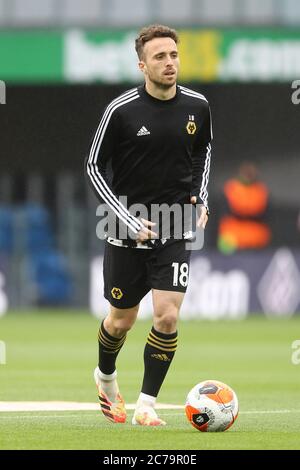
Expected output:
{"points": [[19, 406], [52, 416], [16, 406], [257, 412]]}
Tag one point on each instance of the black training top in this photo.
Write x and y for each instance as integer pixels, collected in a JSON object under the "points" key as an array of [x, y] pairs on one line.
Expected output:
{"points": [[152, 151]]}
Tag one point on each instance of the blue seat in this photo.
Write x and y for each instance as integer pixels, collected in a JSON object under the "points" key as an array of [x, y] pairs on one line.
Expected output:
{"points": [[38, 229], [6, 230], [50, 275]]}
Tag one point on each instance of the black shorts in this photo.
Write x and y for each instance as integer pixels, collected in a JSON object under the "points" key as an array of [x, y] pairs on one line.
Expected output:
{"points": [[130, 273]]}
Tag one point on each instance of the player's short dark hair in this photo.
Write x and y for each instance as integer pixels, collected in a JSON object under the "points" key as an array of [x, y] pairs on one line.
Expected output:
{"points": [[151, 32]]}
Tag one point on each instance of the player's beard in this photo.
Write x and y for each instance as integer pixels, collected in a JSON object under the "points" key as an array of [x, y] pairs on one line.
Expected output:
{"points": [[162, 85]]}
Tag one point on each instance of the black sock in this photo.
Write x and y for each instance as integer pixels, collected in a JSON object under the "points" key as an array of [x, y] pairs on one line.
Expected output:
{"points": [[109, 348], [158, 354]]}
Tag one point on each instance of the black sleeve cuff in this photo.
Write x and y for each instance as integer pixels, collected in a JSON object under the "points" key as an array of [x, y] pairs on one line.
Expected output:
{"points": [[200, 202]]}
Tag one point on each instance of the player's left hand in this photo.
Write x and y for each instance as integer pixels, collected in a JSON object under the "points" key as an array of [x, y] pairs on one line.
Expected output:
{"points": [[202, 213]]}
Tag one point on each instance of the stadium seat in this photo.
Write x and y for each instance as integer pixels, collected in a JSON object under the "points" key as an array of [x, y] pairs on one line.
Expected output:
{"points": [[49, 274], [46, 273], [6, 230], [33, 228]]}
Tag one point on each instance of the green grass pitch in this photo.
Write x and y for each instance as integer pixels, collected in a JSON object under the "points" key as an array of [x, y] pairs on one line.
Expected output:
{"points": [[51, 356]]}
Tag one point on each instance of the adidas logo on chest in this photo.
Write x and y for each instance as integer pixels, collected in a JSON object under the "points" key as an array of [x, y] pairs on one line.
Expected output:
{"points": [[143, 131]]}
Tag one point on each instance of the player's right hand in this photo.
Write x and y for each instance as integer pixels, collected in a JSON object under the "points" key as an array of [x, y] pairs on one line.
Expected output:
{"points": [[145, 233]]}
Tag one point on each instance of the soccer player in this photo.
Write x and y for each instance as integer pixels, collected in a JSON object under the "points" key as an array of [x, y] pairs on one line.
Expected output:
{"points": [[152, 146]]}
